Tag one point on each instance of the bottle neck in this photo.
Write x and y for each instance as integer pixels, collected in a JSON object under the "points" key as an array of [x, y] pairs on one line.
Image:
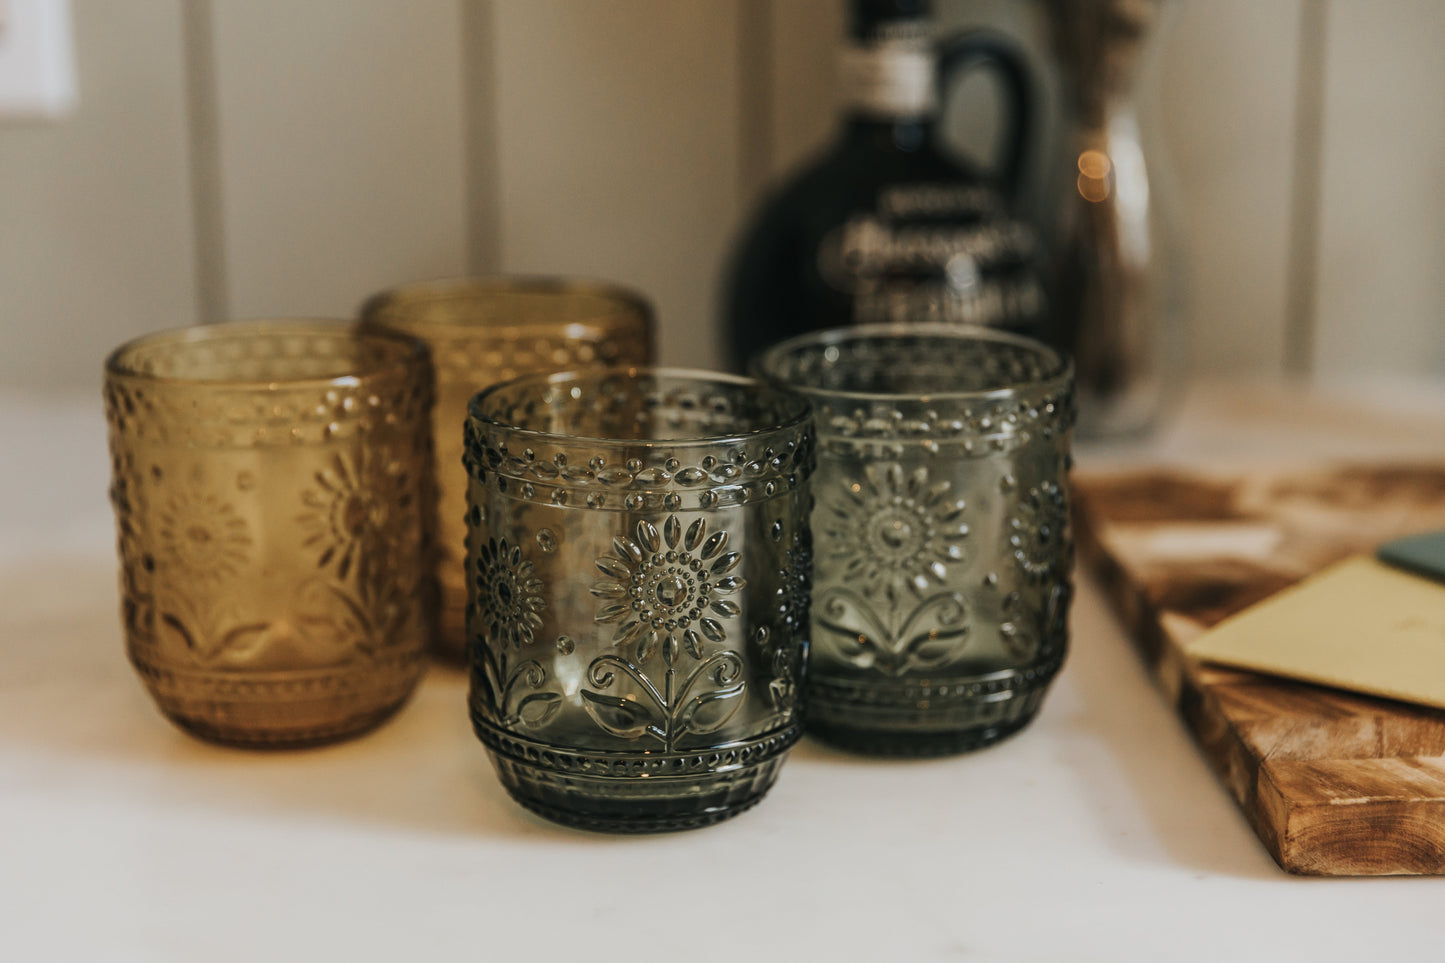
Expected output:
{"points": [[889, 81]]}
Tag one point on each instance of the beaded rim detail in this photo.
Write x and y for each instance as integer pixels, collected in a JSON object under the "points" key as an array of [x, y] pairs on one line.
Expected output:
{"points": [[712, 469], [1034, 396], [631, 764], [387, 392]]}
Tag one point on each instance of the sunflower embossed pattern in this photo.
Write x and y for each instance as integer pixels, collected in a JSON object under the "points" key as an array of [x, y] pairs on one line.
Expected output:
{"points": [[639, 571], [943, 565], [272, 490]]}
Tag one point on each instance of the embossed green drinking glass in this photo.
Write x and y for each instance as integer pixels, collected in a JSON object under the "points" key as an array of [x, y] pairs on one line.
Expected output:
{"points": [[272, 489], [638, 559], [943, 550], [482, 331]]}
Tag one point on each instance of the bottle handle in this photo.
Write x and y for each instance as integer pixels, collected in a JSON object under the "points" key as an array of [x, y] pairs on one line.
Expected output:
{"points": [[972, 49]]}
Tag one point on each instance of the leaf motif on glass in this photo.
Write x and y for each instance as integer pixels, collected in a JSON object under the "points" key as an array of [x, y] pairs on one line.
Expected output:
{"points": [[925, 637]]}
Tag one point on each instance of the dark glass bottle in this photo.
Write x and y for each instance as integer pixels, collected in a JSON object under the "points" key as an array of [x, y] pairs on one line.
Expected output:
{"points": [[885, 226]]}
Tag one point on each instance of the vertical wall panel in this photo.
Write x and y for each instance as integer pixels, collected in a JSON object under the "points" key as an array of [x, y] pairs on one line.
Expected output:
{"points": [[804, 39], [618, 133], [479, 126], [1226, 104], [341, 149], [95, 223], [1380, 299]]}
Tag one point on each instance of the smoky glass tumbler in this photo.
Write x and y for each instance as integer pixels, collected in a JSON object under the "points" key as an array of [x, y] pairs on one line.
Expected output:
{"points": [[943, 550], [638, 562], [482, 331], [271, 485]]}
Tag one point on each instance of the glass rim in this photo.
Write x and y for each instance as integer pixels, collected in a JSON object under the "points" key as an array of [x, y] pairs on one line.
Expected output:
{"points": [[1061, 369], [461, 286], [415, 352], [796, 422]]}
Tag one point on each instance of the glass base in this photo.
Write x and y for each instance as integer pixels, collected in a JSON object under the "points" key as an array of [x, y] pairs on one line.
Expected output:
{"points": [[688, 816], [934, 717], [870, 742], [636, 792], [281, 710], [290, 739]]}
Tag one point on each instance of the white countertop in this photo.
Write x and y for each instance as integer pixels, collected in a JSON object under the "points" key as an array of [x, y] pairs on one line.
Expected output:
{"points": [[1098, 833]]}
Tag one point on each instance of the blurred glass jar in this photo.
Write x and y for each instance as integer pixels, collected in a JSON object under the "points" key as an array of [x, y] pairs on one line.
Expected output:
{"points": [[272, 490], [1120, 299], [485, 330]]}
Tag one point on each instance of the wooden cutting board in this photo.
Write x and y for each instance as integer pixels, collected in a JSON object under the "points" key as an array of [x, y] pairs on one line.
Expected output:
{"points": [[1334, 783]]}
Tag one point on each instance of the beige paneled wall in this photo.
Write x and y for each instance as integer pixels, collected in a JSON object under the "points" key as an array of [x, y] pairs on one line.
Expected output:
{"points": [[618, 134], [343, 145], [1225, 100], [803, 40], [1380, 300], [341, 149], [95, 217]]}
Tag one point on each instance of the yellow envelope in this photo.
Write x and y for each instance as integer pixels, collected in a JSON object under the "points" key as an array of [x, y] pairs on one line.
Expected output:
{"points": [[1359, 624]]}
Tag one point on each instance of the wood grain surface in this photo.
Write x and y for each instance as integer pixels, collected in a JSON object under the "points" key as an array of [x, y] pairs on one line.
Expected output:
{"points": [[1334, 783]]}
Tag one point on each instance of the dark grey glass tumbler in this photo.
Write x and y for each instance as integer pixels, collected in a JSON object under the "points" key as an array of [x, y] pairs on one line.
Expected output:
{"points": [[943, 550], [637, 559]]}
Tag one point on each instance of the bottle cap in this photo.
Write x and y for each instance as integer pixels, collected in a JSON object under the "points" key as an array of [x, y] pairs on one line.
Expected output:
{"points": [[888, 70]]}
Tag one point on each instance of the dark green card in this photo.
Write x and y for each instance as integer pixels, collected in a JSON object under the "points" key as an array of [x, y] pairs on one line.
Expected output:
{"points": [[1420, 554]]}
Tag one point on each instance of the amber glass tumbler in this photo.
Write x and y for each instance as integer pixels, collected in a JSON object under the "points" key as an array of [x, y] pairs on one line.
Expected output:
{"points": [[272, 489], [639, 568], [485, 330]]}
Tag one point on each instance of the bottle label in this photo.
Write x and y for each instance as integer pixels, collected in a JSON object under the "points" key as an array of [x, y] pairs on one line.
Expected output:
{"points": [[890, 77], [936, 252]]}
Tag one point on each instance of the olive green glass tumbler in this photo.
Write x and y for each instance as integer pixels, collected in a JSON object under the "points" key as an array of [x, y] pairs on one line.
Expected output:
{"points": [[272, 488], [485, 330], [944, 554], [638, 562]]}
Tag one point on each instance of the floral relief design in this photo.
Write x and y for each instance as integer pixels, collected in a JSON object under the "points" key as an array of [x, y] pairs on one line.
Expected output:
{"points": [[204, 621], [508, 609], [666, 589], [792, 607], [366, 620], [1039, 532], [783, 686], [897, 641], [136, 568], [206, 542], [1019, 630], [354, 522], [891, 538], [137, 607], [796, 581], [894, 531], [209, 634], [1027, 632], [509, 594], [203, 536], [343, 512], [326, 626]]}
